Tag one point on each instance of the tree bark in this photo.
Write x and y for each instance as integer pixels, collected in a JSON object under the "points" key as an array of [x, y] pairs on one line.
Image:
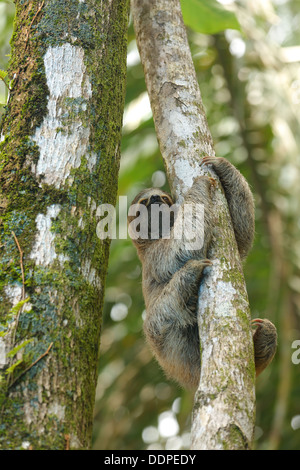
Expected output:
{"points": [[60, 141], [224, 408]]}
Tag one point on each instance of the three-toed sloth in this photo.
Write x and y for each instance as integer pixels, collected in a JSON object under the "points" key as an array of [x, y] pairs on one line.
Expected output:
{"points": [[172, 271]]}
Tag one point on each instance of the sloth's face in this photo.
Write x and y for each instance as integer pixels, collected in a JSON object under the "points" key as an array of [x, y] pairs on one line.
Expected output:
{"points": [[150, 196], [154, 222], [147, 197]]}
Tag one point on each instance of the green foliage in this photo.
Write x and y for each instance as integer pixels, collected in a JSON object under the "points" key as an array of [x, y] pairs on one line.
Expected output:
{"points": [[11, 369], [12, 314], [208, 16], [16, 308], [3, 75], [7, 10], [17, 348]]}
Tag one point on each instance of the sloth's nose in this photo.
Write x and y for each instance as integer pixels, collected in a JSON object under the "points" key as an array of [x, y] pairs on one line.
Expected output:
{"points": [[154, 199]]}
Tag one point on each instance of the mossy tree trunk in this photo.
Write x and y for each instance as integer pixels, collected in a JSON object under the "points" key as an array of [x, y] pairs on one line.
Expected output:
{"points": [[224, 408], [60, 140]]}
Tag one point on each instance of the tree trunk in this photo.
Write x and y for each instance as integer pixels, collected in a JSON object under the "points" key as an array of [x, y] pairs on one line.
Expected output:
{"points": [[224, 409], [60, 140]]}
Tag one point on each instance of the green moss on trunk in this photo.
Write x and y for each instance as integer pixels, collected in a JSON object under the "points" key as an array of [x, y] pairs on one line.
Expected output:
{"points": [[50, 406]]}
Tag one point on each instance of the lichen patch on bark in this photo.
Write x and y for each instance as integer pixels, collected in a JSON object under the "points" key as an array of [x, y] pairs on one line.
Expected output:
{"points": [[63, 136]]}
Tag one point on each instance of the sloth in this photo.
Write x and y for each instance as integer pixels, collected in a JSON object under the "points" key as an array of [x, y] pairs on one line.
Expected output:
{"points": [[173, 269]]}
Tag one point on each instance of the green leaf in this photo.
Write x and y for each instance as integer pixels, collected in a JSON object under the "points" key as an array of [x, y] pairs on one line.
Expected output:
{"points": [[208, 16], [12, 368], [15, 310], [14, 351], [3, 74]]}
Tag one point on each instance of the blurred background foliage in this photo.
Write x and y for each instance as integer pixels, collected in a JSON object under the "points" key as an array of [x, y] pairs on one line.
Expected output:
{"points": [[250, 84]]}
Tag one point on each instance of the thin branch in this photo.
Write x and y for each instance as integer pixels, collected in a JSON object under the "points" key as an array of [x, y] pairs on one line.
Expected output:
{"points": [[23, 291], [33, 20], [31, 365], [67, 439], [21, 265]]}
